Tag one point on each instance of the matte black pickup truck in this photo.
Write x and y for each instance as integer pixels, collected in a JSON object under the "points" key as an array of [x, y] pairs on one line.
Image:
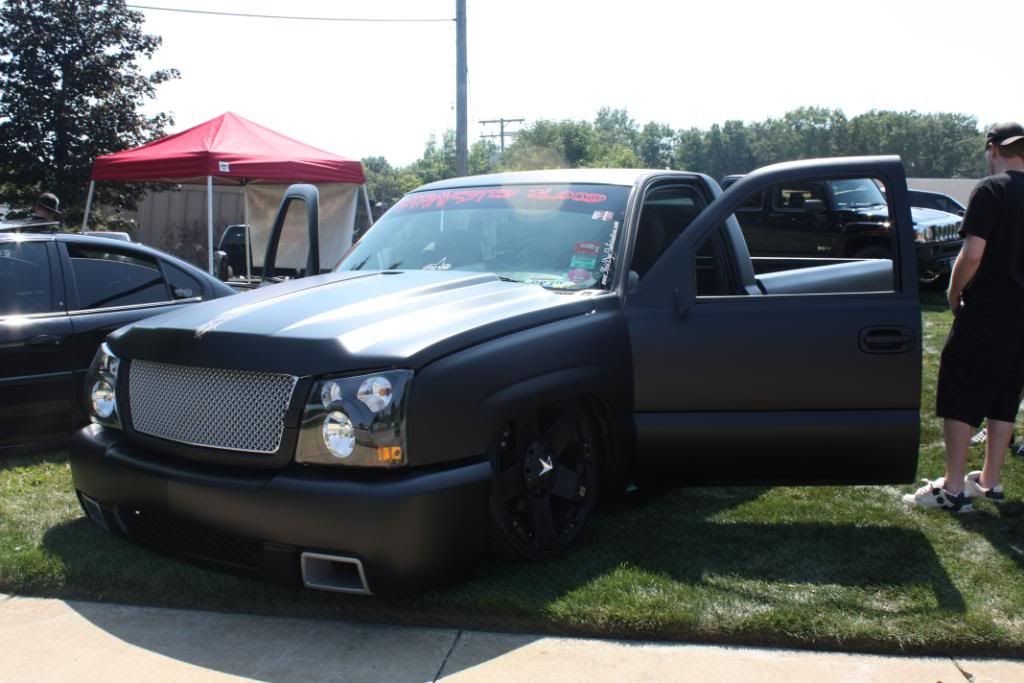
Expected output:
{"points": [[843, 218], [491, 357]]}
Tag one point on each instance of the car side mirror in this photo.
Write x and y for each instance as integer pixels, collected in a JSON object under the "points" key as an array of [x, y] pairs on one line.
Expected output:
{"points": [[961, 213], [814, 206], [222, 266], [632, 282]]}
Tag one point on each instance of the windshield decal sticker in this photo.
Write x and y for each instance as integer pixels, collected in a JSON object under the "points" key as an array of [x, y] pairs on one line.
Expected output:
{"points": [[604, 216], [583, 261], [609, 255], [579, 275], [549, 194], [440, 265], [438, 200], [587, 248]]}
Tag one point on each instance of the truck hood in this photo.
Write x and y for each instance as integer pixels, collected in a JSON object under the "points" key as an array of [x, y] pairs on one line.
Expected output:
{"points": [[921, 217], [933, 217], [346, 321]]}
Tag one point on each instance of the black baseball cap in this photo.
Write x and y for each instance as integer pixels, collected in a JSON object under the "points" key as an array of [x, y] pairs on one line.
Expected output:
{"points": [[1005, 133], [49, 201]]}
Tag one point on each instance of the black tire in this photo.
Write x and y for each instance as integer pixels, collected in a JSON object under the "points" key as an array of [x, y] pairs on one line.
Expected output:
{"points": [[546, 469]]}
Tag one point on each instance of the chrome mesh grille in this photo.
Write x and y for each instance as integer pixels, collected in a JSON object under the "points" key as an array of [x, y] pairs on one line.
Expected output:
{"points": [[236, 410]]}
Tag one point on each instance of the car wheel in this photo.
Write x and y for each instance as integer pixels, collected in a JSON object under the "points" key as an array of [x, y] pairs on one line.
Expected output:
{"points": [[546, 469]]}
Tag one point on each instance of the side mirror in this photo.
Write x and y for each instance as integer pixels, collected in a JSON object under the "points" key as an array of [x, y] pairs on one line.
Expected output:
{"points": [[814, 206], [221, 265]]}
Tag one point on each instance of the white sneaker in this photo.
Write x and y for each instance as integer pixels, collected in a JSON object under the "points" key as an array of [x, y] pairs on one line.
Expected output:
{"points": [[980, 437], [974, 489], [933, 496]]}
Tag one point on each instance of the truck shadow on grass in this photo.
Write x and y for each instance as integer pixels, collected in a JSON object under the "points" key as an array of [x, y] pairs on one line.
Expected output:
{"points": [[663, 566], [683, 543]]}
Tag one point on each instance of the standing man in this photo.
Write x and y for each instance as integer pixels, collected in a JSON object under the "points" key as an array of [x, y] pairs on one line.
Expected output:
{"points": [[47, 208], [982, 369]]}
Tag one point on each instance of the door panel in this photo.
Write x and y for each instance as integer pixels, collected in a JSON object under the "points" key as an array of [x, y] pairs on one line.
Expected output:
{"points": [[35, 368], [778, 389]]}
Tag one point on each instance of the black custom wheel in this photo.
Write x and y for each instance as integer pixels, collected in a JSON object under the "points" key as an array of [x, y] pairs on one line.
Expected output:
{"points": [[546, 468]]}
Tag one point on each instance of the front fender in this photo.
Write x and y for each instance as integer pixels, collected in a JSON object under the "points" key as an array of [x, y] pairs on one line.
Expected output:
{"points": [[459, 402]]}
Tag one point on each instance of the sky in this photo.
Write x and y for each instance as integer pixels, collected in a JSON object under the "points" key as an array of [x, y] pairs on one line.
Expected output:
{"points": [[381, 89]]}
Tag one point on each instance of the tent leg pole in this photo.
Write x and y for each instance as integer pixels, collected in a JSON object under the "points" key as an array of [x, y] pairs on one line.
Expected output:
{"points": [[369, 213], [209, 220], [88, 205]]}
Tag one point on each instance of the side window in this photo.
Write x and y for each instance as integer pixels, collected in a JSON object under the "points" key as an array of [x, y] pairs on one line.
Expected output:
{"points": [[752, 203], [794, 197], [183, 285], [24, 278], [667, 211], [821, 236], [106, 278], [710, 266]]}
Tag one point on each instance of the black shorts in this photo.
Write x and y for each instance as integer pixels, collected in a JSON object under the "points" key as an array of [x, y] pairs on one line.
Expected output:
{"points": [[981, 374]]}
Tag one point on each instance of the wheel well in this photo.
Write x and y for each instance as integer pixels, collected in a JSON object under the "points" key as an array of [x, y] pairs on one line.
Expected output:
{"points": [[617, 450]]}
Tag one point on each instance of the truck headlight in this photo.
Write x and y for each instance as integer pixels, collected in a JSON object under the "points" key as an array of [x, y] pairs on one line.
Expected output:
{"points": [[101, 388], [356, 421]]}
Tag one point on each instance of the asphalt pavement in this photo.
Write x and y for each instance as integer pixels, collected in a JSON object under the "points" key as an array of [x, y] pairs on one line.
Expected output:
{"points": [[53, 640]]}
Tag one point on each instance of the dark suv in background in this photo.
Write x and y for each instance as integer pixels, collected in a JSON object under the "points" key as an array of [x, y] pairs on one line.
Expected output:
{"points": [[925, 199], [844, 218]]}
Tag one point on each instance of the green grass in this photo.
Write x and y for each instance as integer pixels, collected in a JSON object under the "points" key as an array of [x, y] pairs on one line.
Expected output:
{"points": [[830, 567]]}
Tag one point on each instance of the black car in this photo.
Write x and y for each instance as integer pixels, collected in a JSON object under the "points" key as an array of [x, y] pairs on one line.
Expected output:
{"points": [[60, 295], [936, 200], [494, 354]]}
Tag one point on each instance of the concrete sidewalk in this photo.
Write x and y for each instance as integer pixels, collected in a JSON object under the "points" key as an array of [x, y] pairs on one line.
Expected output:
{"points": [[52, 640]]}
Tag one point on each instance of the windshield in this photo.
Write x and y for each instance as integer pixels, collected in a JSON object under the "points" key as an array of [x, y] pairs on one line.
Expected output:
{"points": [[557, 236], [856, 193]]}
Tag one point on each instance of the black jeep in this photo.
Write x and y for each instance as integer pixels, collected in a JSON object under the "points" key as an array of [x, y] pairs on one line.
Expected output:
{"points": [[843, 218]]}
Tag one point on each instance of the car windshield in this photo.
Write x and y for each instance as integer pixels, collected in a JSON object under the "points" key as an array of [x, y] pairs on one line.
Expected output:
{"points": [[856, 193], [558, 236]]}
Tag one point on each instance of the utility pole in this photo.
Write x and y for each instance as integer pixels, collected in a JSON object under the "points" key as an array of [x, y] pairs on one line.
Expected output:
{"points": [[461, 113], [501, 123]]}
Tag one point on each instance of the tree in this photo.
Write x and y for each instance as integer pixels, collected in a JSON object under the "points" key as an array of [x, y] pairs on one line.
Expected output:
{"points": [[71, 89], [654, 145], [551, 144]]}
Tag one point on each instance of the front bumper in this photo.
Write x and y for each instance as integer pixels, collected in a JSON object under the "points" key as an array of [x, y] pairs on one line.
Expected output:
{"points": [[408, 529], [936, 258]]}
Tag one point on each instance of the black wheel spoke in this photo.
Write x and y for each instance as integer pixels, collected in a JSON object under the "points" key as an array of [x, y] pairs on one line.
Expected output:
{"points": [[527, 431], [567, 485], [543, 521], [511, 484], [563, 431]]}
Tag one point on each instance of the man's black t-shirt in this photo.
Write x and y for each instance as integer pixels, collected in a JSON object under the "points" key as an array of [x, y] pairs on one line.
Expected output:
{"points": [[995, 213]]}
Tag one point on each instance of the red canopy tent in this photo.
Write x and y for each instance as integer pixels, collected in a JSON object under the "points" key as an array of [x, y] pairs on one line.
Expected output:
{"points": [[228, 150]]}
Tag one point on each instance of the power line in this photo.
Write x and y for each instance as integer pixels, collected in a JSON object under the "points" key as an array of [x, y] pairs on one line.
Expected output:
{"points": [[502, 121], [281, 16]]}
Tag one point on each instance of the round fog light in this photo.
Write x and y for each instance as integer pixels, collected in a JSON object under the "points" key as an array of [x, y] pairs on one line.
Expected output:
{"points": [[102, 396], [375, 393], [339, 434]]}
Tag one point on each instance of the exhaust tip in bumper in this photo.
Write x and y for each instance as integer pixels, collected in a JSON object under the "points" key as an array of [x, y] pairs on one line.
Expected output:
{"points": [[333, 573]]}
